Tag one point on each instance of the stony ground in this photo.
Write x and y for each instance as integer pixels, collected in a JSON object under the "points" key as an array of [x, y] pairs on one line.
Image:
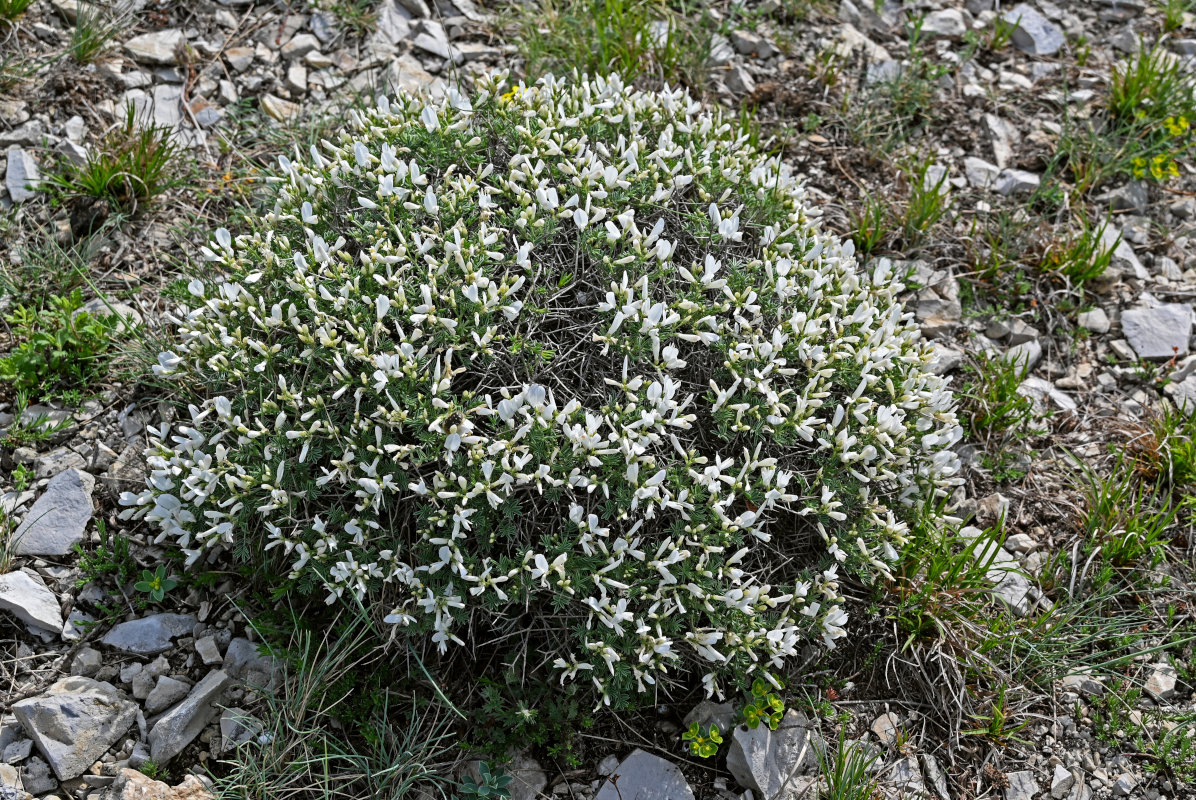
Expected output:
{"points": [[1044, 650]]}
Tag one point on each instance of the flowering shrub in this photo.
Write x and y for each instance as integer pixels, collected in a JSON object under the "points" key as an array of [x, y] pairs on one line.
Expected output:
{"points": [[567, 362]]}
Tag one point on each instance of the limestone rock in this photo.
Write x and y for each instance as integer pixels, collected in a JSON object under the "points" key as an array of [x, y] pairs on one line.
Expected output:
{"points": [[21, 176], [180, 725], [58, 520], [149, 635], [133, 785], [948, 22], [75, 722], [768, 762], [722, 715], [1161, 683], [643, 776], [1159, 333], [279, 109], [244, 665], [1035, 34], [25, 596], [1022, 786], [166, 692], [159, 47]]}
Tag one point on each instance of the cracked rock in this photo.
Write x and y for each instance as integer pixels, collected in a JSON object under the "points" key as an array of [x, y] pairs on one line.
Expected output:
{"points": [[768, 761], [149, 635], [75, 722], [1035, 34], [643, 776], [25, 596], [1160, 333], [179, 726], [58, 520], [159, 47]]}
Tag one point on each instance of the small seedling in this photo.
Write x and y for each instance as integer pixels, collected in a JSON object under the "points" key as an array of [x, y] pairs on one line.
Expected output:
{"points": [[491, 784], [703, 742], [155, 583], [765, 706]]}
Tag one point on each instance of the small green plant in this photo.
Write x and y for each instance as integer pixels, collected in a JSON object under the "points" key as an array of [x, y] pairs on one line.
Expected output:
{"points": [[1175, 436], [995, 723], [155, 583], [1129, 519], [992, 403], [150, 769], [11, 9], [634, 38], [871, 224], [60, 346], [490, 783], [1151, 84], [764, 706], [928, 202], [847, 771], [14, 69], [1173, 13], [110, 559], [95, 27], [131, 166], [1082, 256], [30, 429], [22, 477], [359, 16], [703, 742]]}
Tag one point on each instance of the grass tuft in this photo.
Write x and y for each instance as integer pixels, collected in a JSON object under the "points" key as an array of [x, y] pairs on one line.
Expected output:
{"points": [[131, 166], [95, 27]]}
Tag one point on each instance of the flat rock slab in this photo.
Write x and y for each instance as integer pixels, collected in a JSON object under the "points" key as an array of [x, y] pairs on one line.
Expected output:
{"points": [[159, 47], [643, 776], [1034, 34], [58, 520], [149, 635], [75, 722], [26, 597], [1160, 333], [769, 762], [21, 176], [245, 665], [179, 726]]}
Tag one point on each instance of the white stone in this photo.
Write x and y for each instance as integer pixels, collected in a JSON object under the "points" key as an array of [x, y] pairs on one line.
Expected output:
{"points": [[1160, 333], [178, 727], [1061, 782], [948, 22], [980, 173], [21, 176], [75, 722], [58, 520], [25, 596], [1035, 34], [643, 776], [767, 761], [279, 109], [1161, 683], [159, 47]]}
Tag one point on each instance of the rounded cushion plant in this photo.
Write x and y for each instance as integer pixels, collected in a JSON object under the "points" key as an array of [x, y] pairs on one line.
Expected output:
{"points": [[567, 369]]}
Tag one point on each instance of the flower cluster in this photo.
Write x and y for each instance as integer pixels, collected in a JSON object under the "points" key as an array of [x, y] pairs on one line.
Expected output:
{"points": [[567, 363]]}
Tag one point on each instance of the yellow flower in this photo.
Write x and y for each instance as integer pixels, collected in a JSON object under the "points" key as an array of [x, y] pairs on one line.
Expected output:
{"points": [[1157, 165], [1173, 170], [1139, 167], [1176, 126], [515, 91]]}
